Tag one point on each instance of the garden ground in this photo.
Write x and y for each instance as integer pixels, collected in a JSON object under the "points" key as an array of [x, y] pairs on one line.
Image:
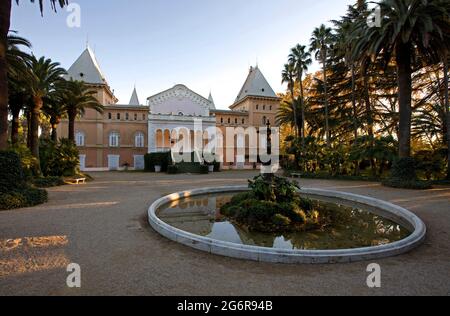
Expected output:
{"points": [[102, 227]]}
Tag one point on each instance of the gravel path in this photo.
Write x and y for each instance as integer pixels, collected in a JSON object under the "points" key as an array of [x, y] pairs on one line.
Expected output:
{"points": [[102, 227]]}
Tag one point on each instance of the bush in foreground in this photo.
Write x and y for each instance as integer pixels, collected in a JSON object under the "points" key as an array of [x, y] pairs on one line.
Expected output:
{"points": [[15, 192]]}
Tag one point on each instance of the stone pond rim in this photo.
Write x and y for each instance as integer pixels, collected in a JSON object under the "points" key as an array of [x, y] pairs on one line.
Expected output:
{"points": [[262, 254]]}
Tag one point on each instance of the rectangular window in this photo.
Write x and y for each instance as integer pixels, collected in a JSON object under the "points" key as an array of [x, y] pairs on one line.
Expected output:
{"points": [[118, 116], [114, 140], [139, 140]]}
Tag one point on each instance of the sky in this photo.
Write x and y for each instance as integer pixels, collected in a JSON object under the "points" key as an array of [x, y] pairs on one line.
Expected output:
{"points": [[208, 45]]}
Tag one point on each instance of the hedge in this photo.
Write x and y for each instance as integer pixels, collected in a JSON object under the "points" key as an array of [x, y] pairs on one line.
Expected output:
{"points": [[11, 172], [157, 159], [48, 182], [15, 192], [26, 197], [404, 176]]}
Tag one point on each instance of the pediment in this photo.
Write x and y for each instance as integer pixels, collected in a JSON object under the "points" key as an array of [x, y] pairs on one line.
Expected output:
{"points": [[180, 100]]}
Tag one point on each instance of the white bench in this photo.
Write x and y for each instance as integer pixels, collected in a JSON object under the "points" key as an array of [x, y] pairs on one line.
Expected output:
{"points": [[296, 175], [79, 181]]}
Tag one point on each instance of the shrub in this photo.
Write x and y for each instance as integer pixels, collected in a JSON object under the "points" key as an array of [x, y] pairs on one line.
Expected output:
{"points": [[204, 169], [48, 182], [30, 164], [35, 196], [404, 176], [172, 170], [216, 166], [59, 159], [25, 197], [14, 190], [11, 172], [294, 212], [281, 221], [430, 164], [12, 200], [404, 169], [305, 204], [409, 185], [274, 189], [157, 159], [240, 197]]}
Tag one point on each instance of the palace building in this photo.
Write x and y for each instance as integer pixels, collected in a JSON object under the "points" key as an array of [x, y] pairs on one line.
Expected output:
{"points": [[124, 133]]}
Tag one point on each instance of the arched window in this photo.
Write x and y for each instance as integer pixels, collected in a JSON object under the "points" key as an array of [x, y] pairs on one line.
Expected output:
{"points": [[118, 116], [80, 139], [135, 117], [257, 107], [221, 120], [243, 121], [229, 121], [139, 140], [264, 107], [127, 116], [109, 116], [143, 117], [114, 139], [235, 121]]}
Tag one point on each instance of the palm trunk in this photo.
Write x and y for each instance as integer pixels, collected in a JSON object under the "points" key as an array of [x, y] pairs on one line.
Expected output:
{"points": [[325, 83], [29, 136], [35, 114], [355, 109], [5, 20], [302, 100], [404, 98], [55, 121], [15, 124], [294, 108], [447, 111], [72, 116], [369, 115]]}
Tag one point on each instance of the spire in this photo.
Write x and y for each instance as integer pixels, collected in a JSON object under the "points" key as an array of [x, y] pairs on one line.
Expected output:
{"points": [[134, 98], [211, 99], [86, 68], [256, 85]]}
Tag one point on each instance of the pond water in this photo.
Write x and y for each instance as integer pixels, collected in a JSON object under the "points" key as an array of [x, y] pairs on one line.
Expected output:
{"points": [[355, 226]]}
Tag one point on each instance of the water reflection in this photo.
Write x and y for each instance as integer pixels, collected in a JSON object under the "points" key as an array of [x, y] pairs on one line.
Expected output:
{"points": [[353, 227]]}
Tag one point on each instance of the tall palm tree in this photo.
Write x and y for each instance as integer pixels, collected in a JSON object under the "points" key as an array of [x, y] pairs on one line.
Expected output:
{"points": [[321, 40], [44, 76], [55, 109], [5, 23], [447, 109], [408, 28], [301, 59], [77, 98], [17, 70], [288, 76]]}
